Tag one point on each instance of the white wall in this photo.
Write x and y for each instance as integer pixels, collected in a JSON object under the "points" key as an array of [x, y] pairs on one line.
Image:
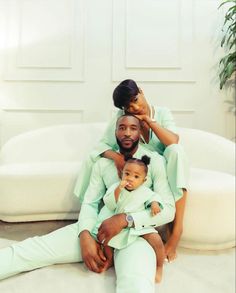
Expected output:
{"points": [[61, 59]]}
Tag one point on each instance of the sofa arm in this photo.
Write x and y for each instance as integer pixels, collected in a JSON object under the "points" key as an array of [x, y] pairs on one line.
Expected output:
{"points": [[71, 142], [208, 151]]}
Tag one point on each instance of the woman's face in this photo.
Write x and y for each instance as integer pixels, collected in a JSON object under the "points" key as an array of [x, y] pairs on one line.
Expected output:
{"points": [[138, 105]]}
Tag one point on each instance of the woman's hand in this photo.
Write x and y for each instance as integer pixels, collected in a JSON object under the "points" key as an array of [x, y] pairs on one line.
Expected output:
{"points": [[145, 121], [111, 227], [143, 118], [92, 253], [119, 163], [118, 159]]}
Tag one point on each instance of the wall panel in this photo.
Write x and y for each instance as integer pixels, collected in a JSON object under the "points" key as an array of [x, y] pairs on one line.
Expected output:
{"points": [[153, 40], [43, 45]]}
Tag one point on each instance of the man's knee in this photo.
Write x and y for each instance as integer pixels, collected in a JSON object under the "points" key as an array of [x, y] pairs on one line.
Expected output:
{"points": [[129, 264]]}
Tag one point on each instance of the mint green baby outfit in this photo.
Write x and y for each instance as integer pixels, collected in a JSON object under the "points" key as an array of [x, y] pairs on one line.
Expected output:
{"points": [[128, 202]]}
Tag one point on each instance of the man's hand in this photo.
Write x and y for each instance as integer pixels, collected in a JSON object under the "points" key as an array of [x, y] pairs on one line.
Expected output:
{"points": [[108, 251], [111, 227], [92, 253]]}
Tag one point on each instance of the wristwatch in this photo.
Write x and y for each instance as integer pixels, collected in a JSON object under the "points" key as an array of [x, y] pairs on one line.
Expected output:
{"points": [[129, 220]]}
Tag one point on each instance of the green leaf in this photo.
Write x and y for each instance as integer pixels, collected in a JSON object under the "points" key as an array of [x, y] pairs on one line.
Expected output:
{"points": [[228, 62]]}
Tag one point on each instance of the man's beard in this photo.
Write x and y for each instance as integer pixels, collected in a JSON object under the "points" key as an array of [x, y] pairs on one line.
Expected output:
{"points": [[124, 150]]}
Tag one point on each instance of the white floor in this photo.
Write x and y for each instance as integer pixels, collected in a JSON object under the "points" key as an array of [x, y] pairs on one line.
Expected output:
{"points": [[192, 272]]}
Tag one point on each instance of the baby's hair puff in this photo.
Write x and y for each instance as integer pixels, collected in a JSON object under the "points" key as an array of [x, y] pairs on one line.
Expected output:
{"points": [[144, 161]]}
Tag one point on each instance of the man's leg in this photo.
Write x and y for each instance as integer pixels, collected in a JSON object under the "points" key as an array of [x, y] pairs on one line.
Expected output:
{"points": [[60, 246], [135, 268]]}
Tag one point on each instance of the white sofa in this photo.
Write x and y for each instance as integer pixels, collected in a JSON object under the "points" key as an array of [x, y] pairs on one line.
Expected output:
{"points": [[38, 170]]}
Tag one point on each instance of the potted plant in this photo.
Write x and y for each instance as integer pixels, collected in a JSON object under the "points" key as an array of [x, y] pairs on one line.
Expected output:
{"points": [[228, 62]]}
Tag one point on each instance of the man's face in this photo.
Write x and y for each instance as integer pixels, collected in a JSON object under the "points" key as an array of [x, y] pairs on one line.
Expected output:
{"points": [[127, 133]]}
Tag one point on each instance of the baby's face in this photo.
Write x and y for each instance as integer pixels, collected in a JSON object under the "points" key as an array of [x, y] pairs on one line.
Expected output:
{"points": [[134, 174]]}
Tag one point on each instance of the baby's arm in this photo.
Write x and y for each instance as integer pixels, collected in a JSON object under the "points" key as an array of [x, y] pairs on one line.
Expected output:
{"points": [[155, 208], [154, 202], [119, 188]]}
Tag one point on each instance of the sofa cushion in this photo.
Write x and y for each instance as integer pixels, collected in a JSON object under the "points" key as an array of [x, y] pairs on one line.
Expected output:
{"points": [[38, 191], [209, 220]]}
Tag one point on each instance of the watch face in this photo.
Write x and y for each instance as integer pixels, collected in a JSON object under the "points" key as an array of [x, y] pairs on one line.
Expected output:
{"points": [[130, 221], [129, 218]]}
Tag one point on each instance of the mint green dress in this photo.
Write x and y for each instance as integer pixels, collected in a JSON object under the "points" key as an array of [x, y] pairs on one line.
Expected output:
{"points": [[177, 163], [128, 202]]}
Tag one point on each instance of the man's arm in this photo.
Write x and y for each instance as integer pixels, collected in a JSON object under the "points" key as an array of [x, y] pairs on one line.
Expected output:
{"points": [[91, 250], [94, 194]]}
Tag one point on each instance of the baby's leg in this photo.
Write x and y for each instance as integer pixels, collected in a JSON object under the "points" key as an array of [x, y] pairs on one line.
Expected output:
{"points": [[155, 241]]}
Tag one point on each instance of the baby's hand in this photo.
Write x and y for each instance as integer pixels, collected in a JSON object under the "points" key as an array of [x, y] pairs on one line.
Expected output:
{"points": [[155, 208], [123, 183]]}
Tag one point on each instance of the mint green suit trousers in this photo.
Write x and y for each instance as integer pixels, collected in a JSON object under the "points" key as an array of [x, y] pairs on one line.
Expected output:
{"points": [[62, 246]]}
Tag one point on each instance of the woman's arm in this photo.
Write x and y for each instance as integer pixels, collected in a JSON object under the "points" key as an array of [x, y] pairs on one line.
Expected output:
{"points": [[117, 158], [163, 126], [166, 136]]}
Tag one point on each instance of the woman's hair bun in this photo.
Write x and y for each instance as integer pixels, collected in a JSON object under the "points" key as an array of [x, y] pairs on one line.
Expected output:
{"points": [[146, 160]]}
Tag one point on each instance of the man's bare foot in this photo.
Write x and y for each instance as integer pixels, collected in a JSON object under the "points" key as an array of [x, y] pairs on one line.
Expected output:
{"points": [[158, 277], [170, 248]]}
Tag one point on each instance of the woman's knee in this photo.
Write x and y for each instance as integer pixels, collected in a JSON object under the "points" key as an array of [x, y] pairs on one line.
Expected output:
{"points": [[173, 150]]}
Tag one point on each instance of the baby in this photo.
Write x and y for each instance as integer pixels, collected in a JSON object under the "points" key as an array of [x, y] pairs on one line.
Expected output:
{"points": [[130, 196]]}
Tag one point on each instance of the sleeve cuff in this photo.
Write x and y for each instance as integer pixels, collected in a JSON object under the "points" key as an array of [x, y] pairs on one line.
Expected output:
{"points": [[156, 197], [141, 218], [86, 224]]}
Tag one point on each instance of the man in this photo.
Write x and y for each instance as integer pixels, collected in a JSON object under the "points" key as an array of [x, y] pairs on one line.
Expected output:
{"points": [[64, 246]]}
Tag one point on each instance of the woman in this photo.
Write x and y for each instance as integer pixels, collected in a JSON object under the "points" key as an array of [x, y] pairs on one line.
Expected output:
{"points": [[158, 134]]}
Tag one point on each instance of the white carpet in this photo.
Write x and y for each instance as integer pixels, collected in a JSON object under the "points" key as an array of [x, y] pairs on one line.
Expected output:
{"points": [[193, 272]]}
